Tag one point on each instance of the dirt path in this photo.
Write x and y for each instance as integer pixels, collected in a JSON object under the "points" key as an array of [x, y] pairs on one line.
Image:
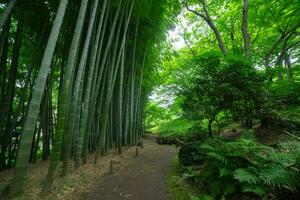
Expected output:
{"points": [[143, 177]]}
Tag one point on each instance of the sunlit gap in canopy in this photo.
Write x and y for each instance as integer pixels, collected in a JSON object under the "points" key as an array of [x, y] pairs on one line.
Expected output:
{"points": [[176, 39]]}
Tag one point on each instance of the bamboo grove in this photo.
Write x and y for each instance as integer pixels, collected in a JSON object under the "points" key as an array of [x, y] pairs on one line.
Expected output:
{"points": [[74, 78]]}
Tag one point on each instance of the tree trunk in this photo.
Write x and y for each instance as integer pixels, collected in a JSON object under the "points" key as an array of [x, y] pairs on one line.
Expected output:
{"points": [[75, 105], [6, 107], [97, 77], [207, 18], [22, 160], [288, 65], [245, 29], [7, 13], [60, 126], [112, 75], [4, 45]]}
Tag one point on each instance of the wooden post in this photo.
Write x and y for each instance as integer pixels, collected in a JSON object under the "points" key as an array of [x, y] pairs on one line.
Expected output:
{"points": [[137, 152], [114, 164], [111, 168]]}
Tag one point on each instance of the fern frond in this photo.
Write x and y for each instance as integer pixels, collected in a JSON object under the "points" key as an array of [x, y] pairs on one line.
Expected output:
{"points": [[277, 175], [219, 157], [244, 175], [225, 172], [228, 190], [260, 191]]}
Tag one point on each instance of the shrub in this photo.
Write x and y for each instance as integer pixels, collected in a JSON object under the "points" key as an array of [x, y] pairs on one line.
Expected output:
{"points": [[190, 154]]}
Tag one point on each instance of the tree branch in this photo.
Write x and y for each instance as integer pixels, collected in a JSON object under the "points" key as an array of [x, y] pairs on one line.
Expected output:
{"points": [[256, 37], [193, 11], [210, 23], [187, 44], [282, 37], [284, 50]]}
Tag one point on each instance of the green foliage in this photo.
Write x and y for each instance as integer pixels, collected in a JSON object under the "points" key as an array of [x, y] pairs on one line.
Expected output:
{"points": [[224, 89], [211, 82], [189, 154], [222, 84], [246, 166], [177, 188], [203, 197], [178, 126], [285, 92], [245, 176], [156, 115]]}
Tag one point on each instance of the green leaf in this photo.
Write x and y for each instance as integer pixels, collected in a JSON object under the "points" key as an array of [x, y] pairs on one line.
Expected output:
{"points": [[278, 176], [260, 191], [225, 172], [244, 175]]}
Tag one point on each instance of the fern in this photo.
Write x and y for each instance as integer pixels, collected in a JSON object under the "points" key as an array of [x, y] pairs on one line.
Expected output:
{"points": [[219, 157], [276, 175], [260, 191], [228, 190], [224, 172], [247, 166], [245, 175]]}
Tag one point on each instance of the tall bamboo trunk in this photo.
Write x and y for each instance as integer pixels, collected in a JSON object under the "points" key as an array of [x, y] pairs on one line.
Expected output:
{"points": [[90, 79], [112, 79], [7, 13], [6, 106], [75, 105], [60, 126], [22, 160], [132, 88]]}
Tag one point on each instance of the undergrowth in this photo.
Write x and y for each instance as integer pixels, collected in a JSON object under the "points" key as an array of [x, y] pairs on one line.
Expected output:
{"points": [[177, 187], [178, 126], [245, 169]]}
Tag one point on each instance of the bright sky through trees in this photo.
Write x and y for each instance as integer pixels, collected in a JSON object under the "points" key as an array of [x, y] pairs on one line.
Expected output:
{"points": [[176, 38], [175, 35]]}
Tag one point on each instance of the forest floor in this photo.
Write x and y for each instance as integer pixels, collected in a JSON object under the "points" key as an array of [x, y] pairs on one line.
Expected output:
{"points": [[142, 177]]}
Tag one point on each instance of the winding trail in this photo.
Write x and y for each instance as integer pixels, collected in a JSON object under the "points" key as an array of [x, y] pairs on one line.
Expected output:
{"points": [[142, 178]]}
